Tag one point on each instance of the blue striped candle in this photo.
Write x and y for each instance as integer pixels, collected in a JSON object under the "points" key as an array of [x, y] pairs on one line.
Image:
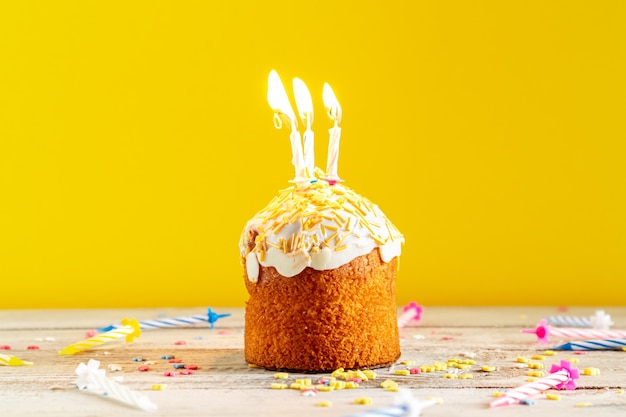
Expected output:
{"points": [[600, 320], [593, 344], [211, 317]]}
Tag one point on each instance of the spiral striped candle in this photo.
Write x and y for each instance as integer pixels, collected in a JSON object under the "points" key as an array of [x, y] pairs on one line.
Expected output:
{"points": [[594, 344], [411, 312], [10, 360], [94, 380], [560, 377], [129, 330], [544, 331], [600, 320], [211, 317]]}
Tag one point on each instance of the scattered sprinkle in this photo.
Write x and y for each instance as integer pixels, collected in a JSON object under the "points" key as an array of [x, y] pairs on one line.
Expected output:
{"points": [[591, 371], [159, 387], [527, 401], [549, 353], [488, 368], [144, 368], [584, 404], [363, 401], [403, 372], [553, 397], [32, 347], [276, 385], [281, 375], [180, 342], [167, 357], [324, 404], [5, 347]]}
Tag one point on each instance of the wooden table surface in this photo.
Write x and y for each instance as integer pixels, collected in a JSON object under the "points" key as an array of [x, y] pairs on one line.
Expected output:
{"points": [[224, 385]]}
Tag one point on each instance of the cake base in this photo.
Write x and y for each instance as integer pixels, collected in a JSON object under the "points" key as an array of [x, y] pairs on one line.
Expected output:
{"points": [[319, 321]]}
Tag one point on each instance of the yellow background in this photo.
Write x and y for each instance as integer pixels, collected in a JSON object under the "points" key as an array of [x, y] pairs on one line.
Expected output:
{"points": [[136, 141]]}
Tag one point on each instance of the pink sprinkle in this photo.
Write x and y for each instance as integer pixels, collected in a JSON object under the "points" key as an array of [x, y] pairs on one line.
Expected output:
{"points": [[357, 380], [180, 342], [562, 308], [191, 366], [170, 373], [32, 347], [187, 372], [414, 371], [143, 368], [223, 332], [578, 352], [90, 333], [447, 338], [175, 360], [5, 347], [433, 332]]}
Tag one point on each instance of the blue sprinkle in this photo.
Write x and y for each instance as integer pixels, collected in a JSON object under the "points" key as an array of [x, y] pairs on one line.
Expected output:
{"points": [[527, 401], [178, 365], [138, 359], [167, 357]]}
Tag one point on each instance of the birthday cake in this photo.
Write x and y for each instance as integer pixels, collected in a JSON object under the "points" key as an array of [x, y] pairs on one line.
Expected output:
{"points": [[320, 265]]}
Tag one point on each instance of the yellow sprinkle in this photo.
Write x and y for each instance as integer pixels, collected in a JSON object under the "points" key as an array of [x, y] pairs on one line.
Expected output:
{"points": [[537, 374], [404, 372], [324, 388], [488, 368], [427, 368], [304, 381], [342, 247], [251, 365], [351, 384], [276, 385], [468, 361], [531, 379], [408, 362], [497, 394], [535, 365], [388, 383], [338, 384], [462, 366], [369, 374], [324, 404], [583, 404], [363, 400], [549, 353], [281, 375], [539, 357], [454, 360], [591, 371], [554, 397], [466, 376], [295, 385], [573, 360], [159, 387], [522, 359], [620, 391], [394, 388], [440, 366], [450, 376]]}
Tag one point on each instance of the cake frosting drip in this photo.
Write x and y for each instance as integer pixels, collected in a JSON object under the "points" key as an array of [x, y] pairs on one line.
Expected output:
{"points": [[316, 225]]}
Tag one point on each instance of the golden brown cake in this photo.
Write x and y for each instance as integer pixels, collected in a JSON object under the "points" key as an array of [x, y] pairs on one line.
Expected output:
{"points": [[320, 266]]}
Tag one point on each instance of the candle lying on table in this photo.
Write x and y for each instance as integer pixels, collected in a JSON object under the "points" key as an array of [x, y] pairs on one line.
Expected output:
{"points": [[544, 331], [411, 312], [405, 405], [94, 380], [600, 320], [593, 344], [129, 330], [10, 360], [562, 376], [211, 317]]}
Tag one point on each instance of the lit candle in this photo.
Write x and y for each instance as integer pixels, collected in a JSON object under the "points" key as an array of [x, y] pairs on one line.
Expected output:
{"points": [[334, 113], [305, 110], [279, 102]]}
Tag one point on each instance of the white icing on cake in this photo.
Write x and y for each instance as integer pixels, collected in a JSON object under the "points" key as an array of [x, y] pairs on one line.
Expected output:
{"points": [[317, 225]]}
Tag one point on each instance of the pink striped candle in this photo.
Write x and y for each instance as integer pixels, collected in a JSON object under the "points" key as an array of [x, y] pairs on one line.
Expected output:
{"points": [[410, 312], [544, 331], [560, 377]]}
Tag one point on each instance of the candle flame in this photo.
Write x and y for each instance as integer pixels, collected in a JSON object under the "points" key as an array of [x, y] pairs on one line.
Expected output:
{"points": [[303, 100], [278, 99], [331, 103]]}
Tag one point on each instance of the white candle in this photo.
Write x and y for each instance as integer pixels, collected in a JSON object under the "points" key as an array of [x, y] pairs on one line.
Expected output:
{"points": [[334, 113], [305, 110], [279, 102]]}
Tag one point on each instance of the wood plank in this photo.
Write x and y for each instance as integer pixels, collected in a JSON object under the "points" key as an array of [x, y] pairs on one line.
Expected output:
{"points": [[225, 386]]}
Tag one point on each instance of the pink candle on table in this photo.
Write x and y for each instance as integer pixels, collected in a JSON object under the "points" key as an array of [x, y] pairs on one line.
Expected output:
{"points": [[544, 331], [560, 377]]}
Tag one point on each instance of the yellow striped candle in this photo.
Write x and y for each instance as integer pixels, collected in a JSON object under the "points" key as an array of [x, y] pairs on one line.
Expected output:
{"points": [[10, 360], [129, 330]]}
